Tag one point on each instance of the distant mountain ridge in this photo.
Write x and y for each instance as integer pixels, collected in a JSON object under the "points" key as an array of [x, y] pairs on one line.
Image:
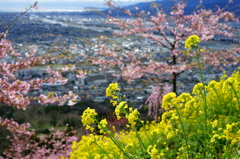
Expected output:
{"points": [[191, 5], [98, 8]]}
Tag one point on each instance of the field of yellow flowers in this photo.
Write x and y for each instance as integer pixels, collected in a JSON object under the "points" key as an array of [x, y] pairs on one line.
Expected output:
{"points": [[204, 124]]}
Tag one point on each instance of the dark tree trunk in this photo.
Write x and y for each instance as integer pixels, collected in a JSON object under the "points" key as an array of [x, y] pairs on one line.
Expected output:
{"points": [[174, 81]]}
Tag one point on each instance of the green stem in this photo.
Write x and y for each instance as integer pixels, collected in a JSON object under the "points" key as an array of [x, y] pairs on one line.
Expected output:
{"points": [[140, 141], [119, 97], [113, 139], [204, 98], [119, 146], [102, 148]]}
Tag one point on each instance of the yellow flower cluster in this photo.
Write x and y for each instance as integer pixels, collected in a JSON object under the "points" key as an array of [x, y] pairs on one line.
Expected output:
{"points": [[129, 146], [153, 152], [112, 89], [232, 131], [192, 41], [181, 129], [167, 102], [102, 126], [88, 118], [120, 109], [88, 148], [214, 123], [133, 117], [113, 102], [198, 88], [169, 131]]}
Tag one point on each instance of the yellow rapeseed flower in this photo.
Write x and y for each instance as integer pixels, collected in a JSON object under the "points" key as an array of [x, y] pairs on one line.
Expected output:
{"points": [[214, 123], [111, 90], [88, 117], [167, 100], [198, 88], [191, 42], [129, 146], [119, 109], [114, 103], [133, 117], [102, 126], [153, 152]]}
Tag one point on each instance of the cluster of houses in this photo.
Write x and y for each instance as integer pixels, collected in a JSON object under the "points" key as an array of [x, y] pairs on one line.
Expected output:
{"points": [[92, 86]]}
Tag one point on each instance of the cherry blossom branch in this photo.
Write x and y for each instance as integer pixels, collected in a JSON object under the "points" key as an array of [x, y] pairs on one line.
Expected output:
{"points": [[17, 17]]}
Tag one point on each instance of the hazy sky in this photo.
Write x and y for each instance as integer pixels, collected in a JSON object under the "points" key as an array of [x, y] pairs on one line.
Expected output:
{"points": [[61, 5], [68, 0]]}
